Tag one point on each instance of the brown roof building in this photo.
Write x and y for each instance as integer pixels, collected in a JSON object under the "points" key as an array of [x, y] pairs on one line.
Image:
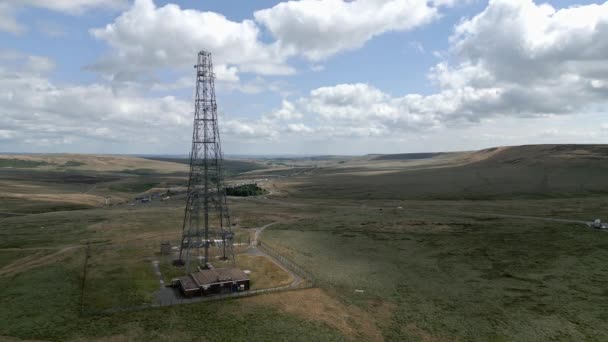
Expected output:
{"points": [[213, 281]]}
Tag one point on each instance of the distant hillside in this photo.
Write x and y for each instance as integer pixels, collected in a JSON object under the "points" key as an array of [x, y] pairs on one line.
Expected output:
{"points": [[542, 153], [532, 171], [82, 162], [407, 156], [231, 166]]}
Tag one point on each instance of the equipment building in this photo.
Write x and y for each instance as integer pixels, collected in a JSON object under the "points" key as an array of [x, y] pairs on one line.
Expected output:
{"points": [[212, 281]]}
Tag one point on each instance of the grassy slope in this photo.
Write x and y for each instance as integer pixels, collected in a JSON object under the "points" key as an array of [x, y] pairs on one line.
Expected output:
{"points": [[454, 276], [231, 166], [44, 304], [120, 276], [47, 290], [425, 275], [451, 275], [89, 162], [516, 173], [53, 187]]}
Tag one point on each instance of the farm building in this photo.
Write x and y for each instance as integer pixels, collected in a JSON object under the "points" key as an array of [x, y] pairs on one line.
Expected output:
{"points": [[212, 281]]}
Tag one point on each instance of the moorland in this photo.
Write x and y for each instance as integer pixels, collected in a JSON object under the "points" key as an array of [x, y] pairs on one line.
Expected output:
{"points": [[482, 245]]}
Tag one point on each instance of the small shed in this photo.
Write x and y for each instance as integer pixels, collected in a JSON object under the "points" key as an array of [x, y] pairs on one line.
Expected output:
{"points": [[165, 248], [188, 287], [213, 281]]}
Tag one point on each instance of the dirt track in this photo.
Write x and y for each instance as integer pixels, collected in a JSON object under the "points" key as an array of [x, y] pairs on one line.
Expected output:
{"points": [[34, 260]]}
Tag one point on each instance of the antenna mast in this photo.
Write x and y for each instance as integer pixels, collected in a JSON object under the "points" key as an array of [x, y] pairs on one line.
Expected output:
{"points": [[206, 217]]}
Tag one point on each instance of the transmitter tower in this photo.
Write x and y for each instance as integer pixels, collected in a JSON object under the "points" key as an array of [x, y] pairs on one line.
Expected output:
{"points": [[206, 232]]}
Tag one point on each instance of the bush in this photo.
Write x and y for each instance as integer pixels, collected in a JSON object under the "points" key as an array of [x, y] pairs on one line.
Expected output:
{"points": [[245, 190]]}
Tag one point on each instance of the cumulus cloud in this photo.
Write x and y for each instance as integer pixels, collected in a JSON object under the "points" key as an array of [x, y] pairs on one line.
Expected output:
{"points": [[299, 128], [21, 62], [243, 129], [344, 110], [8, 8], [514, 59], [39, 64], [319, 29], [146, 38], [7, 20], [70, 6], [536, 60], [32, 107], [287, 111]]}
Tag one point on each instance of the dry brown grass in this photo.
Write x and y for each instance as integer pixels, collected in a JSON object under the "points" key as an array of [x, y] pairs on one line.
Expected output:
{"points": [[316, 305], [75, 198], [264, 272], [100, 162]]}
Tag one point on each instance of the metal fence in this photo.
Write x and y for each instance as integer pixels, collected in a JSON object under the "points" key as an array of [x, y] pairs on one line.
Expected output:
{"points": [[169, 296], [178, 299], [307, 278]]}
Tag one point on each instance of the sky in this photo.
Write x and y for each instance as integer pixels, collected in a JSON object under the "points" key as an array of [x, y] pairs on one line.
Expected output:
{"points": [[305, 77]]}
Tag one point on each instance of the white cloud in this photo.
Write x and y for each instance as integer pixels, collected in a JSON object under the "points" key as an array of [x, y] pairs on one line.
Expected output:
{"points": [[299, 128], [32, 107], [39, 64], [8, 8], [319, 29], [363, 110], [515, 59], [70, 6], [21, 62], [146, 38], [287, 112], [317, 67], [535, 59], [6, 134], [244, 130], [345, 110], [7, 20]]}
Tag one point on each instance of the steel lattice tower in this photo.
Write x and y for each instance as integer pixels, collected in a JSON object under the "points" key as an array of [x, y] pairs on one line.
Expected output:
{"points": [[206, 217]]}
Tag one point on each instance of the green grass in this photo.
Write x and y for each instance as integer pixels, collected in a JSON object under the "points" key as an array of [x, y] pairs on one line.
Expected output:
{"points": [[41, 304], [7, 257], [45, 304], [232, 167], [63, 178], [440, 272], [73, 163], [20, 163], [129, 273], [49, 229], [245, 190], [479, 181], [26, 206], [134, 187], [469, 278]]}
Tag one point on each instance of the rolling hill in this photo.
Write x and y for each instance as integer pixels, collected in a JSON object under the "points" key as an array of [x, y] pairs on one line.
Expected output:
{"points": [[530, 171]]}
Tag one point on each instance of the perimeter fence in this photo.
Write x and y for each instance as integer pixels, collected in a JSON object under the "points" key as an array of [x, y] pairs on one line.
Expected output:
{"points": [[305, 276]]}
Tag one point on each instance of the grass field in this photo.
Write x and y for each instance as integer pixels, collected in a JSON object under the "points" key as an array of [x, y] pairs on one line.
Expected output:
{"points": [[403, 248], [456, 276]]}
